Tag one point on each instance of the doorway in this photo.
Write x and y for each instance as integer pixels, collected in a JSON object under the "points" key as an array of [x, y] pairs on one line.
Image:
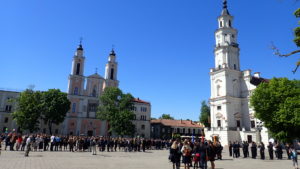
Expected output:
{"points": [[249, 138]]}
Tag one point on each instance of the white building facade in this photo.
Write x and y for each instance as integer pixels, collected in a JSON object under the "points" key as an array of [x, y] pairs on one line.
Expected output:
{"points": [[232, 118]]}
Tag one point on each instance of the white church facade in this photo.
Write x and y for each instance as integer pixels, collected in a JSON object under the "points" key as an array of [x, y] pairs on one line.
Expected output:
{"points": [[232, 118]]}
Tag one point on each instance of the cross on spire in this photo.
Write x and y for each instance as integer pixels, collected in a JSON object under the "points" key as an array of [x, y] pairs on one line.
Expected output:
{"points": [[80, 44], [96, 71], [80, 40], [225, 10], [224, 4], [113, 50]]}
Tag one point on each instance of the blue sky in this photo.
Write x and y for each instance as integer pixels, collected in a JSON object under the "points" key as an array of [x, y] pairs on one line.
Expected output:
{"points": [[164, 47]]}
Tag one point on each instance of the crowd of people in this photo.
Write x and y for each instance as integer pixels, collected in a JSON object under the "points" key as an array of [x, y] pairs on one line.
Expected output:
{"points": [[195, 153], [192, 153], [43, 142], [198, 153], [272, 148]]}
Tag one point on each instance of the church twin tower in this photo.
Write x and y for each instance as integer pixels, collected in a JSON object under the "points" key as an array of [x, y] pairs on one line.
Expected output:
{"points": [[84, 92], [95, 83]]}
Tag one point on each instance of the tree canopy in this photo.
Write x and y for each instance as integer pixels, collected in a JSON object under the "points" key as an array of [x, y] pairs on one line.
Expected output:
{"points": [[277, 105], [205, 114], [55, 107], [116, 108], [32, 106], [166, 116], [28, 110]]}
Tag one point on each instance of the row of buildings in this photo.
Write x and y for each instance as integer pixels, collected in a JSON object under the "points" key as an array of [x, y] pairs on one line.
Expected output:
{"points": [[157, 129], [83, 93]]}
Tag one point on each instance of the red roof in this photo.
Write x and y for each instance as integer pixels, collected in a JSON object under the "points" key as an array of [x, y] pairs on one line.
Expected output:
{"points": [[138, 100], [177, 123]]}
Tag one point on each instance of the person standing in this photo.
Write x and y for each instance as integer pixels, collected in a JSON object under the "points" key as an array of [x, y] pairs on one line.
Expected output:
{"points": [[245, 149], [203, 155], [7, 141], [144, 145], [186, 154], [52, 142], [28, 146], [12, 142], [279, 151], [262, 151], [93, 145], [175, 155], [24, 143], [211, 153], [294, 156], [19, 142], [254, 150], [230, 149], [270, 149], [236, 147], [287, 148], [71, 144], [219, 149]]}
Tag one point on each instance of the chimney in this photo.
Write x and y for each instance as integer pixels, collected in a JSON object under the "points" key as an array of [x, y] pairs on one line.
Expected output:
{"points": [[256, 74], [180, 121], [191, 122]]}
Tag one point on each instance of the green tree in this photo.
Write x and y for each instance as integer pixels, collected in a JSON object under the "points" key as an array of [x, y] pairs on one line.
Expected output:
{"points": [[277, 104], [28, 110], [55, 107], [116, 108], [166, 116], [296, 41], [205, 114]]}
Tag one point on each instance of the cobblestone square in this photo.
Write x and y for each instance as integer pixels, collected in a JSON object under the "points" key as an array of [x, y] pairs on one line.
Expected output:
{"points": [[121, 160]]}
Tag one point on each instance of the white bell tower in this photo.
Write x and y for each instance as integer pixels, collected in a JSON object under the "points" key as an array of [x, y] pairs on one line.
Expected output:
{"points": [[227, 48]]}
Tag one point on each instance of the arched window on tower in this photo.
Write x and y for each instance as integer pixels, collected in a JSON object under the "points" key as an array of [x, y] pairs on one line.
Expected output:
{"points": [[76, 91], [112, 73], [94, 91], [221, 24], [229, 23], [77, 68], [234, 66]]}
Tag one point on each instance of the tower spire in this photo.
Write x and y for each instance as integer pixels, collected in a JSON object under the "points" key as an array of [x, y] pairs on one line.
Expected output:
{"points": [[80, 44], [113, 50], [225, 10], [224, 4]]}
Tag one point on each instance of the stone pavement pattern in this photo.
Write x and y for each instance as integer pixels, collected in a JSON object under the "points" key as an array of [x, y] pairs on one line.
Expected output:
{"points": [[154, 159]]}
